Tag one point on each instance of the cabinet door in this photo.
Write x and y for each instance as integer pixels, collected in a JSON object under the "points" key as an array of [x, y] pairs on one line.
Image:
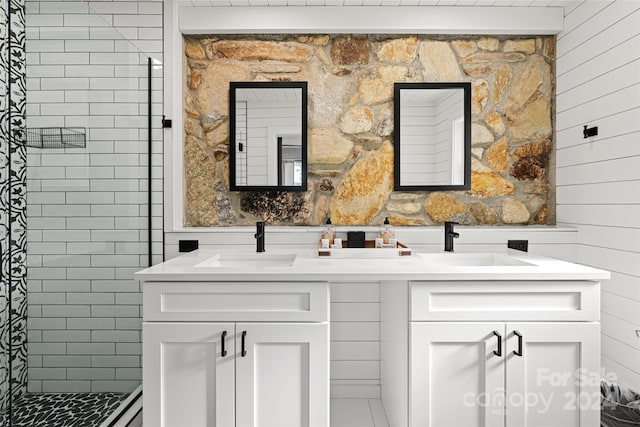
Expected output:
{"points": [[283, 375], [455, 379], [555, 382], [187, 381]]}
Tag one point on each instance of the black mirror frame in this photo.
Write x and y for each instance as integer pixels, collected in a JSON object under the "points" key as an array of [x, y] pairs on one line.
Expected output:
{"points": [[466, 86], [232, 135]]}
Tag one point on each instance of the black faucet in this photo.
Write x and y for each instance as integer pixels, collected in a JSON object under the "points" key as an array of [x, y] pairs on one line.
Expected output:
{"points": [[259, 236], [449, 235]]}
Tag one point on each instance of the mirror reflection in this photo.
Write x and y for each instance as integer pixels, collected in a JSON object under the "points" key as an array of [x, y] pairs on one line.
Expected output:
{"points": [[432, 136], [268, 135]]}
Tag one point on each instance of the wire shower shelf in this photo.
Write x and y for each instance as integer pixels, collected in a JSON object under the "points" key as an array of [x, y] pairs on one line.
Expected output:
{"points": [[56, 137]]}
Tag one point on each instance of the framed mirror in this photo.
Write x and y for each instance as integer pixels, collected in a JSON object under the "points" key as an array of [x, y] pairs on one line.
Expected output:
{"points": [[432, 136], [268, 136]]}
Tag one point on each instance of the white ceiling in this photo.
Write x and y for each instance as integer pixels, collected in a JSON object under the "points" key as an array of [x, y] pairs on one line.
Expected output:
{"points": [[366, 19], [483, 3]]}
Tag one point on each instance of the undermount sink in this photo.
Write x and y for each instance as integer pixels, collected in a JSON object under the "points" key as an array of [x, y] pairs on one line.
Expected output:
{"points": [[472, 260], [249, 260]]}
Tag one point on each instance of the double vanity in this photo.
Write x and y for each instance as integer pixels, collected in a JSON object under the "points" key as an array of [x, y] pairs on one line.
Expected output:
{"points": [[466, 339]]}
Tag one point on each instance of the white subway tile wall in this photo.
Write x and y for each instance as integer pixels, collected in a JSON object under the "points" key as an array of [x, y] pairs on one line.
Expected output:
{"points": [[87, 215]]}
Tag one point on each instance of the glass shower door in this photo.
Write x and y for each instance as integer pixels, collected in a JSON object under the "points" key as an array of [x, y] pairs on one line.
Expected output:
{"points": [[89, 208]]}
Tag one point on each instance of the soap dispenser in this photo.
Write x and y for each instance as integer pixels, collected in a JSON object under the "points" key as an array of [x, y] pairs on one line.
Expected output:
{"points": [[329, 232], [388, 237]]}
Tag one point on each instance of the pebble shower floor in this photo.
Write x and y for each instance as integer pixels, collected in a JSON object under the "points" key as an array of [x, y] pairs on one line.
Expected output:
{"points": [[63, 409]]}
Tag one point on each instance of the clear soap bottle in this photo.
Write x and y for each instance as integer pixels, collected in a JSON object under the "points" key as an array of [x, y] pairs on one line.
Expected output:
{"points": [[387, 233], [329, 232]]}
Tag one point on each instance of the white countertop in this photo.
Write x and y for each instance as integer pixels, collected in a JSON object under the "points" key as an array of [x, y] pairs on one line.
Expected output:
{"points": [[308, 266]]}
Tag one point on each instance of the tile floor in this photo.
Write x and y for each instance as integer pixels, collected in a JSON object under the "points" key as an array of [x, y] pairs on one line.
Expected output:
{"points": [[357, 413], [64, 409], [91, 409]]}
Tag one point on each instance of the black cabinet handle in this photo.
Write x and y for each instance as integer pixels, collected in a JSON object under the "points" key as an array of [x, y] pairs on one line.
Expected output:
{"points": [[223, 353], [498, 351], [243, 352], [519, 351]]}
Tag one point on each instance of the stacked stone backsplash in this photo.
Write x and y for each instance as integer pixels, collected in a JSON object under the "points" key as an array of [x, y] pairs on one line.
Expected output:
{"points": [[350, 123]]}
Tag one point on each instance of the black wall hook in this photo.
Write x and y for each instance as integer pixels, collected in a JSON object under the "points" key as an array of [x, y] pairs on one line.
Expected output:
{"points": [[588, 132]]}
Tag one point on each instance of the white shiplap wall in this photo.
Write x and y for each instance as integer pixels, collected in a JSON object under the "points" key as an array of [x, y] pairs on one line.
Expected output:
{"points": [[419, 146], [87, 207], [598, 179]]}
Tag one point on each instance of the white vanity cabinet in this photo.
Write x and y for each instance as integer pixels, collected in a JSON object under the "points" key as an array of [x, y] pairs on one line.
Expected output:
{"points": [[451, 366], [186, 379], [492, 353], [235, 354]]}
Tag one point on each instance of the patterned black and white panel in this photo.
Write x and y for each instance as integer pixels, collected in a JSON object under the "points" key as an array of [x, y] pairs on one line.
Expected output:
{"points": [[4, 210], [4, 204], [18, 177], [12, 200], [64, 409]]}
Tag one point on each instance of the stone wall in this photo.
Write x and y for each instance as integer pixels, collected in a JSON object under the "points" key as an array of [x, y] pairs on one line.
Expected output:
{"points": [[350, 154]]}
